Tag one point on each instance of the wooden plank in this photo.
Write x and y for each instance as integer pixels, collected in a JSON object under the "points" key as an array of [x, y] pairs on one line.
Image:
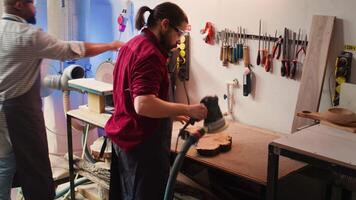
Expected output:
{"points": [[91, 85], [324, 143], [348, 97], [314, 68], [248, 155]]}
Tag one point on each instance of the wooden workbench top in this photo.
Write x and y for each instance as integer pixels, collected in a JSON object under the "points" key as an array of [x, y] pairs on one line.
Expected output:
{"points": [[248, 156], [91, 85], [84, 114]]}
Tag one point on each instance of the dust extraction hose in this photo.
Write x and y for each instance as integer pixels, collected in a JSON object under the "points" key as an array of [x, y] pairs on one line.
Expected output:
{"points": [[192, 139], [62, 192]]}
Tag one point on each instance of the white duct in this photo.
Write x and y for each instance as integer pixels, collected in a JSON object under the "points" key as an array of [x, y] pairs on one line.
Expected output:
{"points": [[62, 22], [60, 82]]}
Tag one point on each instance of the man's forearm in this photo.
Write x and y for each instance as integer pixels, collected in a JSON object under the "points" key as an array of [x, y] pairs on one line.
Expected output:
{"points": [[151, 106], [93, 49]]}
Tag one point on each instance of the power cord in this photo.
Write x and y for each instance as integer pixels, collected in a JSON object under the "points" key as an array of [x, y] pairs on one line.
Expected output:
{"points": [[186, 92]]}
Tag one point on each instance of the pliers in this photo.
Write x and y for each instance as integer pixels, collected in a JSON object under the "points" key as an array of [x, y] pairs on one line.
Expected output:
{"points": [[277, 47], [303, 47]]}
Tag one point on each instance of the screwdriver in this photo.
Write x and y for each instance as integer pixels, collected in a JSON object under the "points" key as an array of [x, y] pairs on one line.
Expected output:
{"points": [[240, 49], [246, 51], [269, 57], [222, 46], [264, 50], [259, 45]]}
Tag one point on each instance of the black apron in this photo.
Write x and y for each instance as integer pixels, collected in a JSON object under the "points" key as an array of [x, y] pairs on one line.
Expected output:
{"points": [[27, 132], [142, 174]]}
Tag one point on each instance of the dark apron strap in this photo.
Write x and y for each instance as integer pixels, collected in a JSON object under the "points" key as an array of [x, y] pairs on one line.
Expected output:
{"points": [[27, 132]]}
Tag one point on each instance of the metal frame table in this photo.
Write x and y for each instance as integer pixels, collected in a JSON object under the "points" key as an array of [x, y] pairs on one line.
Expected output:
{"points": [[319, 145]]}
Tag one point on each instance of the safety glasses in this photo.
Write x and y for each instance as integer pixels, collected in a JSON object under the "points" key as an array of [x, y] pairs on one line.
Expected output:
{"points": [[178, 30]]}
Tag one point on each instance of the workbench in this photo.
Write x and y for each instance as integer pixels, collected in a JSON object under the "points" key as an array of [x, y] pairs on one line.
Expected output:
{"points": [[319, 145], [247, 157]]}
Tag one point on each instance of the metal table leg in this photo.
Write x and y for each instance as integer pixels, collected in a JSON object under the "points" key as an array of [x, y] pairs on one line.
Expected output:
{"points": [[70, 156], [272, 173]]}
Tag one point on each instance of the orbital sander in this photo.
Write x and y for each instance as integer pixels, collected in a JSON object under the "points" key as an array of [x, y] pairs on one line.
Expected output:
{"points": [[214, 120]]}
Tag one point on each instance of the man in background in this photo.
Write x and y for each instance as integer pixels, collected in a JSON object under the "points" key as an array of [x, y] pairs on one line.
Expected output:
{"points": [[23, 140]]}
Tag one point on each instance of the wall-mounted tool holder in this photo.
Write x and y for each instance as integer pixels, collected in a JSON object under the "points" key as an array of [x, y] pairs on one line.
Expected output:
{"points": [[219, 36], [288, 47]]}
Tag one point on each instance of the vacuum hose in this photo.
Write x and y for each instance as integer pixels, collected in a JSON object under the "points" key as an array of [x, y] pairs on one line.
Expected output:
{"points": [[62, 192], [192, 139]]}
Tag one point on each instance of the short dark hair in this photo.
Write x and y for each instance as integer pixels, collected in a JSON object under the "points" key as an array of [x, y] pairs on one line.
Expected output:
{"points": [[166, 10], [12, 2]]}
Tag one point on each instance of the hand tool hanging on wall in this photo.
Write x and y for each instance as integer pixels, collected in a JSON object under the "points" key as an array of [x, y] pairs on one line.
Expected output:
{"points": [[269, 60], [288, 52], [259, 45], [246, 52], [230, 48], [264, 50], [221, 38], [277, 47], [234, 49], [226, 49], [284, 68], [303, 47], [294, 62], [240, 45]]}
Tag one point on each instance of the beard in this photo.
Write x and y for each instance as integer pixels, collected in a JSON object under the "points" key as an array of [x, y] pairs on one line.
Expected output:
{"points": [[31, 20], [165, 42]]}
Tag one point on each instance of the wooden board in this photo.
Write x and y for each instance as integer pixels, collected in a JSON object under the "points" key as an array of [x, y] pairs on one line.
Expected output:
{"points": [[314, 68], [324, 143], [91, 85], [348, 97], [248, 155]]}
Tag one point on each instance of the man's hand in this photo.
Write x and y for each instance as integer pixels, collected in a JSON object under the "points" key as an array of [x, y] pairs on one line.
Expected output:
{"points": [[197, 111]]}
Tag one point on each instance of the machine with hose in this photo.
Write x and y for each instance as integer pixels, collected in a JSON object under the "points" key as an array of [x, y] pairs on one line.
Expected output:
{"points": [[213, 122]]}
